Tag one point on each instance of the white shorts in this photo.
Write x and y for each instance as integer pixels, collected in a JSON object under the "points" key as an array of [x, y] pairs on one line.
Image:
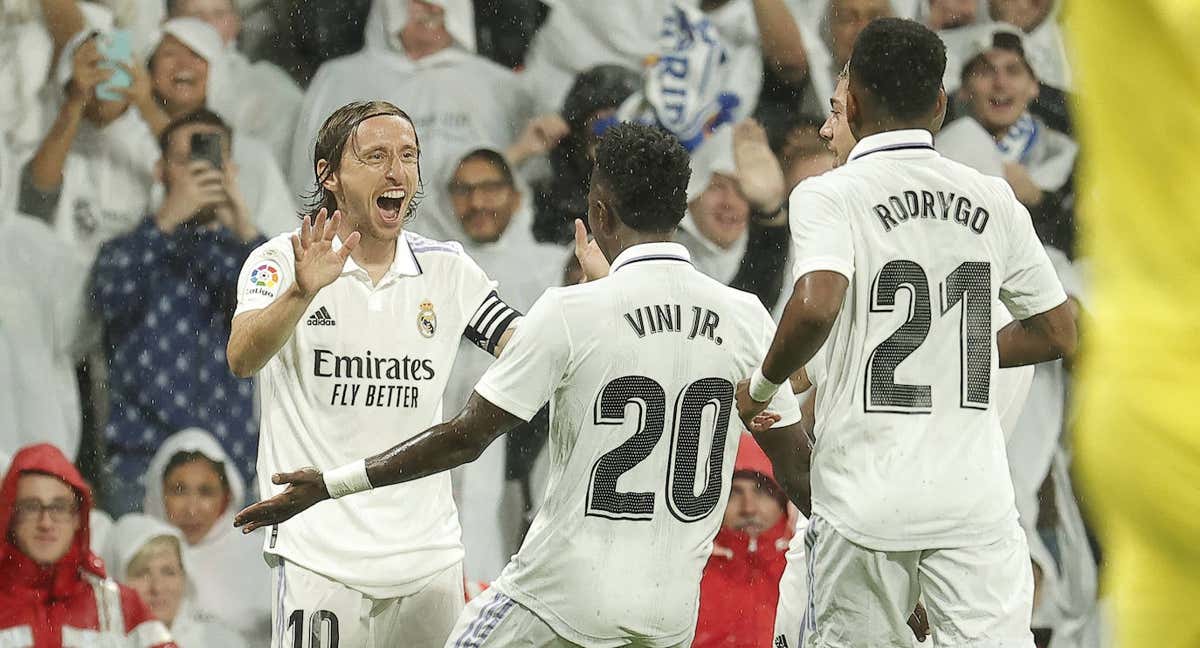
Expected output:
{"points": [[492, 620], [314, 612], [793, 592], [980, 597]]}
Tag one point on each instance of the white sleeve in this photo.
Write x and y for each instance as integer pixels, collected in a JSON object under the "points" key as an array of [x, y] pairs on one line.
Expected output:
{"points": [[267, 273], [821, 237], [1029, 285], [533, 363], [784, 402]]}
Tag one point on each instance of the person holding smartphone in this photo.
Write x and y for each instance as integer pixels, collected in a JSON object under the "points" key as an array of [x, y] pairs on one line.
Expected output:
{"points": [[165, 293]]}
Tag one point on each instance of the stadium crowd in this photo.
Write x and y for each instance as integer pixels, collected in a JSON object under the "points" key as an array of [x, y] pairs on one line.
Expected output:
{"points": [[148, 146]]}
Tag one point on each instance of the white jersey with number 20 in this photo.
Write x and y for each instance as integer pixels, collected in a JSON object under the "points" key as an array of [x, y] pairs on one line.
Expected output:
{"points": [[640, 370], [909, 453]]}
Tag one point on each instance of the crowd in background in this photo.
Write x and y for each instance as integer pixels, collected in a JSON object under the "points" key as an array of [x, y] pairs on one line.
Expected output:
{"points": [[147, 146]]}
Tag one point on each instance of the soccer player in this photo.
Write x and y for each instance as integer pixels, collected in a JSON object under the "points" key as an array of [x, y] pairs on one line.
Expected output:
{"points": [[639, 369], [1139, 451], [901, 255], [353, 324]]}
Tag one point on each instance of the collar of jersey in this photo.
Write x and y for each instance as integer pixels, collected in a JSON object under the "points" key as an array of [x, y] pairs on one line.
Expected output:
{"points": [[404, 263], [897, 140], [651, 252]]}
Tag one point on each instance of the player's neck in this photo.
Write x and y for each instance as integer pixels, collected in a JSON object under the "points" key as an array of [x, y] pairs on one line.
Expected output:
{"points": [[375, 255], [630, 238], [887, 125]]}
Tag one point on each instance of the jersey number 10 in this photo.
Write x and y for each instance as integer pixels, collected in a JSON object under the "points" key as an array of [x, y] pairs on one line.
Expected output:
{"points": [[970, 284], [603, 498]]}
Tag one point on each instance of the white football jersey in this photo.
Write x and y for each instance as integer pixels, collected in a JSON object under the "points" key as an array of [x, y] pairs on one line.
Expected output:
{"points": [[363, 371], [909, 453], [640, 370]]}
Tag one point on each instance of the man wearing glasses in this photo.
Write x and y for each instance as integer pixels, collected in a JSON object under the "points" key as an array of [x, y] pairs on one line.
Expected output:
{"points": [[53, 589]]}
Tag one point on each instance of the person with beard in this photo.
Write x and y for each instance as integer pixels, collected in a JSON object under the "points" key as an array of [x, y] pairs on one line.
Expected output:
{"points": [[495, 230], [53, 589], [164, 293], [352, 325]]}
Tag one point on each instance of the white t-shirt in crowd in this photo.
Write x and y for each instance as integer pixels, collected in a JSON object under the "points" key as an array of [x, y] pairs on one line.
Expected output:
{"points": [[909, 452], [639, 369], [364, 370]]}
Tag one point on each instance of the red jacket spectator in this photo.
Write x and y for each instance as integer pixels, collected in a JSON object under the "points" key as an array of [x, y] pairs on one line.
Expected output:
{"points": [[53, 590], [740, 588]]}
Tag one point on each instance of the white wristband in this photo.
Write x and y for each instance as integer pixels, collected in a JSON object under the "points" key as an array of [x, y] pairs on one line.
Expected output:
{"points": [[348, 479], [761, 389]]}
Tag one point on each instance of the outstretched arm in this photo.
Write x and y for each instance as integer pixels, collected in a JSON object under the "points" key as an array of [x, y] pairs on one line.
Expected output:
{"points": [[789, 451], [442, 447], [1044, 337]]}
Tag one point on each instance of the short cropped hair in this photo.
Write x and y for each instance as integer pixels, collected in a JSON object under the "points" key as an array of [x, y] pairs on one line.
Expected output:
{"points": [[900, 63], [647, 170], [198, 116]]}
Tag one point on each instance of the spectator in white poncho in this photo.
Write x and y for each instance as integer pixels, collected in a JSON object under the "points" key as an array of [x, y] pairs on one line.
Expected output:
{"points": [[494, 225], [1037, 21], [192, 485], [186, 62], [151, 557], [257, 98], [426, 52]]}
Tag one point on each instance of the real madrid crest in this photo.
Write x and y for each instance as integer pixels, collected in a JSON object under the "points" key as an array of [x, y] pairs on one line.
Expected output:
{"points": [[427, 319]]}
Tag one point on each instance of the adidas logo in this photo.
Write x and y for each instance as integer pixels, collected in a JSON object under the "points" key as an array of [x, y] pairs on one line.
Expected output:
{"points": [[781, 641], [321, 317]]}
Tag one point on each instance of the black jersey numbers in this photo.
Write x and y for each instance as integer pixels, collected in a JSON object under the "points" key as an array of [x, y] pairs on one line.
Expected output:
{"points": [[714, 395], [969, 285]]}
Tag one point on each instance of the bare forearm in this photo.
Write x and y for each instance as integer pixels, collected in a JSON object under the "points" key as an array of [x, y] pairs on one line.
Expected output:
{"points": [[46, 166], [63, 19], [257, 336], [1042, 338], [798, 339], [789, 452], [442, 447], [783, 47]]}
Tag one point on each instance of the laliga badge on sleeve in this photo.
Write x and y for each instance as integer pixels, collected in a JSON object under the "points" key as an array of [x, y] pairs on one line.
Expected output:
{"points": [[427, 319]]}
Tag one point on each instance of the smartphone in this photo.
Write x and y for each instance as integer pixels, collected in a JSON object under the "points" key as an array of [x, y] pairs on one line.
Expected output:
{"points": [[207, 147], [117, 48]]}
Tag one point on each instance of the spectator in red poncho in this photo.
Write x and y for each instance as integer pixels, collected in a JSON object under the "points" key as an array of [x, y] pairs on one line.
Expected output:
{"points": [[53, 589], [740, 587]]}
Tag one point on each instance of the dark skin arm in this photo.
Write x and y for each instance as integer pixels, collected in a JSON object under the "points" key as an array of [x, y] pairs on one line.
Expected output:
{"points": [[1042, 338], [806, 323], [788, 449], [442, 447]]}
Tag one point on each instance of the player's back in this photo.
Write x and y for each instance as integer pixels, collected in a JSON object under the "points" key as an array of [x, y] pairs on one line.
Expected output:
{"points": [[909, 452], [643, 436]]}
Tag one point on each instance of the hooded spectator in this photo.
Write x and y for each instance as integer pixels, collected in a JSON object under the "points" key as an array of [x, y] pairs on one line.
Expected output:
{"points": [[998, 88], [426, 51], [89, 176], [593, 98], [1035, 20], [151, 557], [258, 98], [192, 485], [740, 586], [495, 230], [166, 293], [188, 67], [53, 589], [828, 42]]}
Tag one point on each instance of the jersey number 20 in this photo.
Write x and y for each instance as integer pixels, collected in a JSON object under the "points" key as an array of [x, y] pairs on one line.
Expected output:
{"points": [[970, 284], [603, 498]]}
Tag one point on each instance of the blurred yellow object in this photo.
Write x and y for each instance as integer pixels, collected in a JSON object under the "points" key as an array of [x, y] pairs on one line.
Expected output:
{"points": [[1138, 439]]}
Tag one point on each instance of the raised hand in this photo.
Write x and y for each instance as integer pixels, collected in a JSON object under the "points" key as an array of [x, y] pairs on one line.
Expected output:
{"points": [[305, 488], [540, 136], [591, 259], [758, 170], [317, 263], [198, 189], [753, 413], [86, 73]]}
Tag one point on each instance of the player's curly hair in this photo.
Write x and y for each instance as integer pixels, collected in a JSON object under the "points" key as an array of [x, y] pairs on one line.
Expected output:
{"points": [[647, 169], [900, 63], [340, 129]]}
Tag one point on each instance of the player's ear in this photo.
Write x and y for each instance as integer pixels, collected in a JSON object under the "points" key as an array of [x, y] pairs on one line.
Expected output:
{"points": [[328, 178], [939, 116]]}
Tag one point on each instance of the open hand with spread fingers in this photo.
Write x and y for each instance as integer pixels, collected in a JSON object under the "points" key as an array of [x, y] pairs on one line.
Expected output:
{"points": [[305, 488], [317, 263]]}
